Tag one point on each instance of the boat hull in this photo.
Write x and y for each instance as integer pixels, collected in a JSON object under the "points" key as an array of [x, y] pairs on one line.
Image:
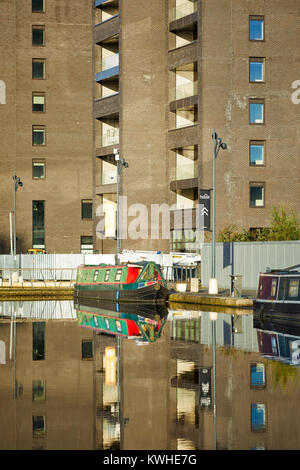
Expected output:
{"points": [[154, 293], [261, 306]]}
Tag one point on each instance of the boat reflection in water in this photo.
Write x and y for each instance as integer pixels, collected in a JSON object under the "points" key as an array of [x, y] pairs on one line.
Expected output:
{"points": [[143, 323], [279, 336]]}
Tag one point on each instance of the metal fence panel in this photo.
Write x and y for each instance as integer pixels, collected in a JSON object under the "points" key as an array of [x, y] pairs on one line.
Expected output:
{"points": [[247, 259]]}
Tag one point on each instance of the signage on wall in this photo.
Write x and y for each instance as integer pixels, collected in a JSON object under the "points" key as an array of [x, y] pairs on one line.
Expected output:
{"points": [[205, 388], [204, 203]]}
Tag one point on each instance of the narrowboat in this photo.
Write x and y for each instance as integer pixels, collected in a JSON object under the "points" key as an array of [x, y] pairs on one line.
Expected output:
{"points": [[132, 282], [115, 320], [278, 291]]}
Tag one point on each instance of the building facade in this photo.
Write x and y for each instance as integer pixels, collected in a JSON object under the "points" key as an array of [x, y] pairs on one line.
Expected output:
{"points": [[46, 124], [166, 74]]}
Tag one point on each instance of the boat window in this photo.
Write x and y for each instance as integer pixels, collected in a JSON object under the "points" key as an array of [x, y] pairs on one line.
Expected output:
{"points": [[107, 323], [96, 274], [107, 275], [294, 288], [86, 275], [96, 320], [118, 274], [118, 325], [273, 287]]}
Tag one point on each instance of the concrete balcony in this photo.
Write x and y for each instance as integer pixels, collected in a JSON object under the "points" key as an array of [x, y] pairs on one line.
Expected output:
{"points": [[106, 29], [109, 105]]}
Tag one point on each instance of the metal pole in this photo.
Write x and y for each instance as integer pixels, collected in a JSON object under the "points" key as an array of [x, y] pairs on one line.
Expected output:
{"points": [[213, 264], [118, 209], [11, 234], [214, 381], [15, 205]]}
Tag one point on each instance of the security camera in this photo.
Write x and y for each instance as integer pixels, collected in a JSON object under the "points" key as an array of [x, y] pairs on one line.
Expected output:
{"points": [[20, 183], [126, 165], [223, 146]]}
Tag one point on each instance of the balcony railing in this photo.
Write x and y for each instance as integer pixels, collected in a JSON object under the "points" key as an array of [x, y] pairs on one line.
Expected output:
{"points": [[184, 172], [109, 62], [109, 177], [110, 137], [183, 10], [185, 90]]}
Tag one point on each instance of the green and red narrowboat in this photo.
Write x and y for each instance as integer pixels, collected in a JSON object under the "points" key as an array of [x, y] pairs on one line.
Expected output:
{"points": [[132, 282], [119, 322]]}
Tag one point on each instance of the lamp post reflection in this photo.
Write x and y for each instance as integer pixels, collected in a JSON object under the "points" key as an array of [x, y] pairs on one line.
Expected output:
{"points": [[213, 318]]}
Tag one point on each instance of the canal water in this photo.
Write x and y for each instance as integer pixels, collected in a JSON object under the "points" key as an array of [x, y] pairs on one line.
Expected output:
{"points": [[93, 377]]}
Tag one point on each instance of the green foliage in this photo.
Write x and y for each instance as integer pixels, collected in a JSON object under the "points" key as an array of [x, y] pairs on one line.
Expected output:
{"points": [[283, 226]]}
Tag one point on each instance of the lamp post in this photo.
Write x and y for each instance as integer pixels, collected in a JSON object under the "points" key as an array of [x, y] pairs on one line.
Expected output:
{"points": [[17, 183], [121, 162], [217, 145]]}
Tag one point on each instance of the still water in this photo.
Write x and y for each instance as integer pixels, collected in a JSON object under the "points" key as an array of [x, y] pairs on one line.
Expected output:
{"points": [[87, 377]]}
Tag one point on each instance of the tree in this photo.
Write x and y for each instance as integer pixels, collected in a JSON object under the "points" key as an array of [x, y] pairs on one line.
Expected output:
{"points": [[283, 226]]}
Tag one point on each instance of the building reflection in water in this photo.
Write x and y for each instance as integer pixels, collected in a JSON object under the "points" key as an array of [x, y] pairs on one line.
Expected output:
{"points": [[110, 378]]}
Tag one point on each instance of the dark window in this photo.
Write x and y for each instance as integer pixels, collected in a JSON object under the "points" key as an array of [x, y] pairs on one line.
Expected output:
{"points": [[86, 209], [38, 5], [107, 272], [38, 390], [38, 68], [257, 195], [38, 170], [38, 135], [38, 224], [38, 36], [87, 349], [86, 244], [38, 426], [38, 102], [38, 341]]}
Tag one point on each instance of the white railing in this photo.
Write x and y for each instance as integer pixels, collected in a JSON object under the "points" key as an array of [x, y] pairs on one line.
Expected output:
{"points": [[109, 62], [185, 90]]}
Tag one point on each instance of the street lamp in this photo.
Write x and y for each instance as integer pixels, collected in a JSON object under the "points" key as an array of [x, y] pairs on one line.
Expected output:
{"points": [[121, 162], [17, 183], [217, 145]]}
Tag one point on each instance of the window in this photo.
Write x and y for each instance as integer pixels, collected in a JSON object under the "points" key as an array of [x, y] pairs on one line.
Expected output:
{"points": [[256, 70], [273, 287], [107, 323], [87, 350], [96, 321], [96, 275], [38, 5], [256, 111], [293, 288], [38, 102], [86, 244], [86, 209], [38, 170], [257, 375], [256, 28], [119, 326], [38, 35], [38, 341], [257, 153], [38, 135], [38, 224], [38, 426], [118, 275], [107, 272], [257, 194], [38, 390], [38, 68], [258, 417]]}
